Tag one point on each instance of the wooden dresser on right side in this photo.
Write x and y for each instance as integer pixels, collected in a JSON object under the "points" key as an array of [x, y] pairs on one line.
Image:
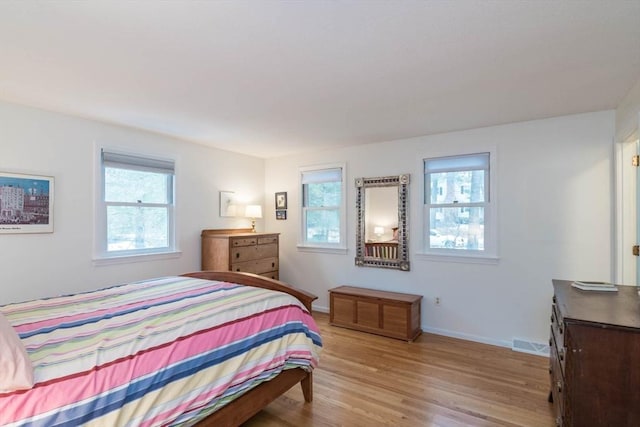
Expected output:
{"points": [[595, 356]]}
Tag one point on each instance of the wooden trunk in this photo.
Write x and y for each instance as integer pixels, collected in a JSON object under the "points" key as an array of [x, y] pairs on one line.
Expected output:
{"points": [[391, 314]]}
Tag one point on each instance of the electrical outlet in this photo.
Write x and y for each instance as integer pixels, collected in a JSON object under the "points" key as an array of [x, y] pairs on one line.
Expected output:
{"points": [[437, 300]]}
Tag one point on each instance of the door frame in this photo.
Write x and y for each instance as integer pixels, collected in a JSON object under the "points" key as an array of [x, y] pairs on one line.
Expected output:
{"points": [[626, 210]]}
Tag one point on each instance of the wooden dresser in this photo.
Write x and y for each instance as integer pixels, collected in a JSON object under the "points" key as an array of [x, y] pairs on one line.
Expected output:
{"points": [[595, 356], [241, 250], [391, 314]]}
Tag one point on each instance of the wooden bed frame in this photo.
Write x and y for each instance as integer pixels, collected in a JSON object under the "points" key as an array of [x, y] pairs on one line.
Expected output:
{"points": [[252, 402]]}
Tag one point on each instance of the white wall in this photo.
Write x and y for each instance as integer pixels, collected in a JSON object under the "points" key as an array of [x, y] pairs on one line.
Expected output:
{"points": [[555, 221], [44, 143], [627, 122], [627, 114]]}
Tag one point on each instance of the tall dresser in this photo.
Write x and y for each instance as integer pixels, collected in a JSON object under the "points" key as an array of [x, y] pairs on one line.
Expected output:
{"points": [[241, 250], [595, 356]]}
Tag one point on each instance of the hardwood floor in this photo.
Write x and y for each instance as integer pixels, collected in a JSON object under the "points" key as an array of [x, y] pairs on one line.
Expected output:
{"points": [[367, 380]]}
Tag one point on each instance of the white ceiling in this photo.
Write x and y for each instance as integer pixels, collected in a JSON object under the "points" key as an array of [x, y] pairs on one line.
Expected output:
{"points": [[270, 78]]}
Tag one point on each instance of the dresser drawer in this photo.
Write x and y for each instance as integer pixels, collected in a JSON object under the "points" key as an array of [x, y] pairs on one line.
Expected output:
{"points": [[248, 253], [259, 266], [557, 333], [557, 384], [243, 241], [267, 239]]}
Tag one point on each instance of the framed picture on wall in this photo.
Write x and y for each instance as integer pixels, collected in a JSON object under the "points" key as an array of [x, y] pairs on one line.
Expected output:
{"points": [[281, 200], [26, 203], [281, 214], [227, 203]]}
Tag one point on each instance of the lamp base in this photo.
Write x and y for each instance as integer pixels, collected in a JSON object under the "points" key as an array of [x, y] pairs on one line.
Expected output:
{"points": [[253, 225]]}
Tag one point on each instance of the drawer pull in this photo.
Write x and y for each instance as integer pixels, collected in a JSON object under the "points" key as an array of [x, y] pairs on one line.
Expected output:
{"points": [[559, 386], [561, 353], [273, 264], [237, 254], [553, 319]]}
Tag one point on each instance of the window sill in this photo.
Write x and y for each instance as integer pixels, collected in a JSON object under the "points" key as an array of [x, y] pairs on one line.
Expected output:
{"points": [[323, 249], [127, 259], [461, 258]]}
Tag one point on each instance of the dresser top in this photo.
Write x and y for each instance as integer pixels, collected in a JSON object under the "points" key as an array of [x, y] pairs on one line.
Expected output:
{"points": [[226, 233], [621, 308]]}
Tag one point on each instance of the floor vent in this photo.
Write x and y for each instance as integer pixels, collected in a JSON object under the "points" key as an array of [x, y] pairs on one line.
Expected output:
{"points": [[530, 347]]}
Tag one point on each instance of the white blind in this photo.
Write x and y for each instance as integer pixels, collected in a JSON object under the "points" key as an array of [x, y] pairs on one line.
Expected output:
{"points": [[322, 175], [128, 161], [457, 163]]}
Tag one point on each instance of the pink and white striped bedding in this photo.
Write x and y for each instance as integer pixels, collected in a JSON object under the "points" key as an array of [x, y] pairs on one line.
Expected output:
{"points": [[167, 351]]}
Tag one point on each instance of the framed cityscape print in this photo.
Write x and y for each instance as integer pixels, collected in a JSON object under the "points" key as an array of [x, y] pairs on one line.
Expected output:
{"points": [[26, 203]]}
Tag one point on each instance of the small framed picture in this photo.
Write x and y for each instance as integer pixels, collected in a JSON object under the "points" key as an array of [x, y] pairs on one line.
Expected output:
{"points": [[281, 214], [281, 200]]}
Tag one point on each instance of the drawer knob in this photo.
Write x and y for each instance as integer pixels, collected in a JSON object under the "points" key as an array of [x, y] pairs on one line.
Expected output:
{"points": [[559, 386], [237, 254]]}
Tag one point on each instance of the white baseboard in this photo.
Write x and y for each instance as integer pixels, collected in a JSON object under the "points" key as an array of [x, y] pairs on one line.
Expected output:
{"points": [[321, 309], [515, 345], [467, 337]]}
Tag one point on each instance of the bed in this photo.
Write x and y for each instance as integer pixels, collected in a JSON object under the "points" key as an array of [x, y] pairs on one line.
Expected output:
{"points": [[204, 348]]}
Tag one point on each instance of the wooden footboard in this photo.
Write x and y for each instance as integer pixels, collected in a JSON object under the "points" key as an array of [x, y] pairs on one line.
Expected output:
{"points": [[257, 281], [252, 402]]}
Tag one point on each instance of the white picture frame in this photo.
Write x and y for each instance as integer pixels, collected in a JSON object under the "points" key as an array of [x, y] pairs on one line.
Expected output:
{"points": [[228, 207], [26, 203]]}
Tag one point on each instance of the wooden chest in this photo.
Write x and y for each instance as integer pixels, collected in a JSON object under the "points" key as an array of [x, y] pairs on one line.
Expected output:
{"points": [[391, 314], [241, 251]]}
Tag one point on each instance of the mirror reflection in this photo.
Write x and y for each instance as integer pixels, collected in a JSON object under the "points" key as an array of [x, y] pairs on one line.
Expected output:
{"points": [[381, 205]]}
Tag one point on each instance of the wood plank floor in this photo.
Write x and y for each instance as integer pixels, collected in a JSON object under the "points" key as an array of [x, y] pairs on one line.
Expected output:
{"points": [[366, 380]]}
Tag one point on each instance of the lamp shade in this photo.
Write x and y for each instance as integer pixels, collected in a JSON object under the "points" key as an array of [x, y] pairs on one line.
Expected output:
{"points": [[253, 211], [378, 230]]}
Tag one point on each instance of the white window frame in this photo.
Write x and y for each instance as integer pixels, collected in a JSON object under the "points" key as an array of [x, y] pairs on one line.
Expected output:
{"points": [[490, 252], [303, 244], [144, 162]]}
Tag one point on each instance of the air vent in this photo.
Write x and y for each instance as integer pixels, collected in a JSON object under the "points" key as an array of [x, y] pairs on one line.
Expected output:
{"points": [[530, 347]]}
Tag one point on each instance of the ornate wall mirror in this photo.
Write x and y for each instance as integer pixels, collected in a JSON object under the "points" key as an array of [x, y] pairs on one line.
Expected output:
{"points": [[381, 231]]}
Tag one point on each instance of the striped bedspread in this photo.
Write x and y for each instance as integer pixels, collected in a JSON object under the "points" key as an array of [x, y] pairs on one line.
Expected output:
{"points": [[167, 351]]}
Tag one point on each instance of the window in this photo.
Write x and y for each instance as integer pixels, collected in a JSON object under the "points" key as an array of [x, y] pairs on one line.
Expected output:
{"points": [[458, 205], [137, 209], [323, 202]]}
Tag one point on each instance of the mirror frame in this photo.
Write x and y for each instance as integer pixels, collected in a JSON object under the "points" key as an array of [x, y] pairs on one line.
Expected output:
{"points": [[402, 182]]}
